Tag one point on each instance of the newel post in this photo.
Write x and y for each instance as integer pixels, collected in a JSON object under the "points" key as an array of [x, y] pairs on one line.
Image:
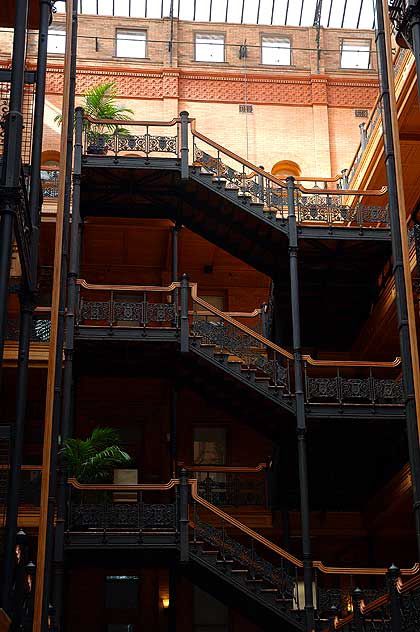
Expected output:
{"points": [[183, 515], [357, 597], [184, 313], [392, 576], [184, 145]]}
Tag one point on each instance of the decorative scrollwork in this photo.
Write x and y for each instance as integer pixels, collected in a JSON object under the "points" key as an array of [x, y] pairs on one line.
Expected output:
{"points": [[163, 144], [340, 389], [235, 341], [258, 567], [95, 310], [116, 515], [139, 312]]}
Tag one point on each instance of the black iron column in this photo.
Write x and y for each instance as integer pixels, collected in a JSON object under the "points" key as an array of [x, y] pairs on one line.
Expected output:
{"points": [[398, 269], [300, 406], [68, 391], [11, 167], [173, 430], [27, 301], [414, 23]]}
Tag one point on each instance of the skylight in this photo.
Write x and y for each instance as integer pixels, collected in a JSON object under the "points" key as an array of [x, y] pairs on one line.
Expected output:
{"points": [[349, 14]]}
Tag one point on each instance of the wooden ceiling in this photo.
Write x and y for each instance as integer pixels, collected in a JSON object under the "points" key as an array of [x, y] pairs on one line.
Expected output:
{"points": [[7, 13]]}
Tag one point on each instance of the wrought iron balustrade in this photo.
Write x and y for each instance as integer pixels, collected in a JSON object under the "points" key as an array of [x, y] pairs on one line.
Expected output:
{"points": [[49, 182], [130, 137], [128, 307], [231, 486], [374, 121], [343, 384], [27, 111], [40, 328]]}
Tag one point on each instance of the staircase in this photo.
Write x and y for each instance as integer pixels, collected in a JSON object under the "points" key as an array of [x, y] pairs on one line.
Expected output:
{"points": [[272, 587]]}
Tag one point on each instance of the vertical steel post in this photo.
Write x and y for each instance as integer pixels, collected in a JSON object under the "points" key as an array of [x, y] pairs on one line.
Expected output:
{"points": [[184, 145], [10, 172], [357, 597], [68, 393], [183, 515], [392, 576], [173, 430], [300, 406], [27, 305], [398, 266], [184, 314]]}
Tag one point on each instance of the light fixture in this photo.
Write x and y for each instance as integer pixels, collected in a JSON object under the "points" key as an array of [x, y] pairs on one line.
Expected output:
{"points": [[165, 602]]}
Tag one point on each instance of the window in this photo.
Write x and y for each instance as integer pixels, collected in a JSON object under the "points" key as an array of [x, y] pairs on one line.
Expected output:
{"points": [[276, 51], [209, 47], [131, 44], [355, 54], [57, 40]]}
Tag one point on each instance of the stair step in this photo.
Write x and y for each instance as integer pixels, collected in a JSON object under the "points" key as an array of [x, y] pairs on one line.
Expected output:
{"points": [[239, 570], [210, 552], [254, 581], [269, 590], [225, 561]]}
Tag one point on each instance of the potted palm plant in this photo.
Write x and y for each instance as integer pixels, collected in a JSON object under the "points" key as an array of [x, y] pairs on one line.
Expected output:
{"points": [[93, 460], [100, 102]]}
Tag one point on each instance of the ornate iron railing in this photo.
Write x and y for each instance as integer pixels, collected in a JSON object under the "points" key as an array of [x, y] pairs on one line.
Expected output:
{"points": [[40, 328], [343, 384], [27, 111], [128, 306], [253, 185], [124, 138], [231, 486], [374, 120], [49, 182]]}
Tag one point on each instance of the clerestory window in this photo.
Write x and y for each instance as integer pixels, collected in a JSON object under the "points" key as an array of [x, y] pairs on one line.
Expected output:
{"points": [[355, 53], [131, 44], [276, 51], [56, 44], [209, 47]]}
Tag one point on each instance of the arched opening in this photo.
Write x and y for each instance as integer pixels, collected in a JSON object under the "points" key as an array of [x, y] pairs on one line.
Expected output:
{"points": [[50, 158], [285, 168]]}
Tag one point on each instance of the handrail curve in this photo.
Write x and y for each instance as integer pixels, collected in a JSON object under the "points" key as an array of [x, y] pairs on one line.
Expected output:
{"points": [[193, 482], [121, 122], [224, 468], [277, 181]]}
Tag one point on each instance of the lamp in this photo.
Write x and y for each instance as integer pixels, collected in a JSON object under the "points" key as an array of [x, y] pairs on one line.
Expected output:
{"points": [[165, 603]]}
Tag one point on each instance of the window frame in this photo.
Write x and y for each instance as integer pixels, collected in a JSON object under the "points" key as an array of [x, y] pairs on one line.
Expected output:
{"points": [[343, 41], [54, 31], [130, 30], [274, 36], [221, 34]]}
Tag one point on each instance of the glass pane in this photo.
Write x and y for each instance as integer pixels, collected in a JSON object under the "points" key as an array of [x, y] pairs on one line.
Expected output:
{"points": [[218, 11], [56, 41], [275, 51], [131, 44], [210, 48], [121, 7], [89, 6], [355, 54], [138, 8], [105, 7]]}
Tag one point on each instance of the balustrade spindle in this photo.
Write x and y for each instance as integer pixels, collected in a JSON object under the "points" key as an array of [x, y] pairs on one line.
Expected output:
{"points": [[392, 577], [184, 145]]}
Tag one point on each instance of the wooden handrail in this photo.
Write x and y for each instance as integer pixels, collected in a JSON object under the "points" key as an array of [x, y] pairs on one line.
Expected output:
{"points": [[228, 318], [121, 122], [273, 179], [25, 468], [193, 482], [365, 609], [224, 468], [128, 288], [372, 112], [256, 312], [138, 487]]}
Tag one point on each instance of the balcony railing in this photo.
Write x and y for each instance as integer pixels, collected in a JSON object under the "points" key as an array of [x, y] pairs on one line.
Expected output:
{"points": [[194, 521], [40, 328], [152, 140], [49, 182], [326, 381], [30, 483], [374, 121]]}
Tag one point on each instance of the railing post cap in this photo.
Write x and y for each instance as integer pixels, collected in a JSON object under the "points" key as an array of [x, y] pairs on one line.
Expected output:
{"points": [[184, 113], [79, 109], [357, 594], [184, 277], [344, 171], [393, 571], [290, 179]]}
